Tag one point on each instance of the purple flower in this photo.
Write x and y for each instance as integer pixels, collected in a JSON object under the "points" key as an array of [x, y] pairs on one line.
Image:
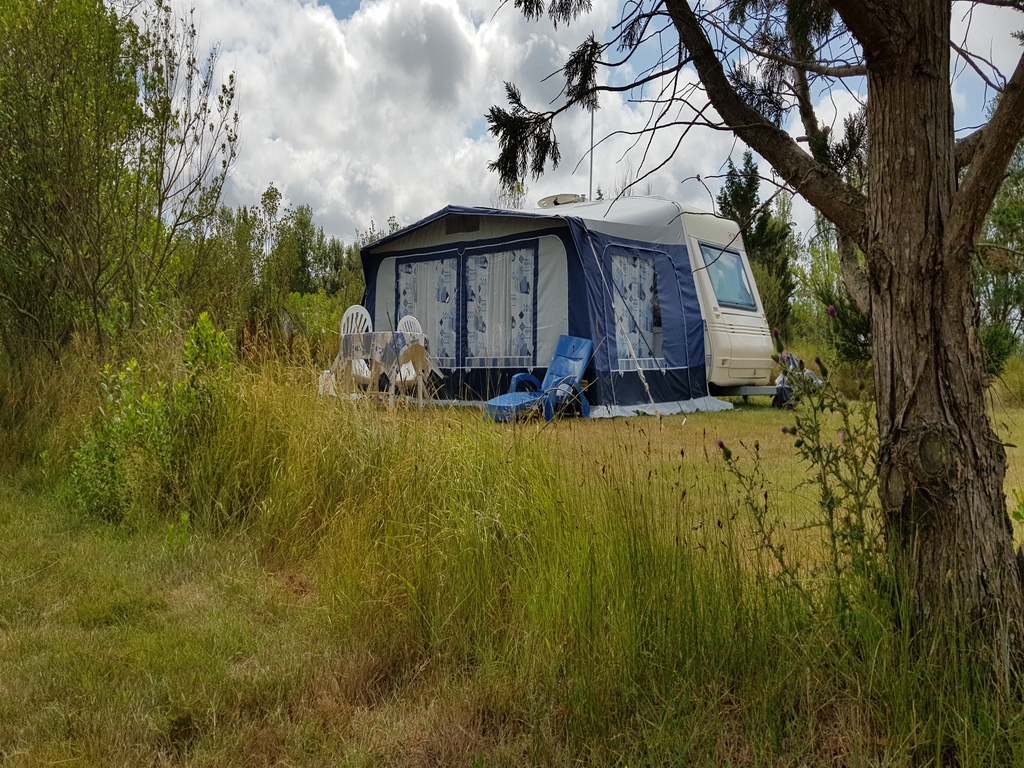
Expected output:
{"points": [[775, 333], [817, 360], [785, 429], [842, 435], [831, 310], [721, 444]]}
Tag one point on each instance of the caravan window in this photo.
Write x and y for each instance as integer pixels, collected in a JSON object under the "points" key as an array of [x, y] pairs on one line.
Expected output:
{"points": [[500, 313], [728, 277], [638, 332], [428, 290]]}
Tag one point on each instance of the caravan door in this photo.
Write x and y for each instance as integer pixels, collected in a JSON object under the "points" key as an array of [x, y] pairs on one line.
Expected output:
{"points": [[738, 343]]}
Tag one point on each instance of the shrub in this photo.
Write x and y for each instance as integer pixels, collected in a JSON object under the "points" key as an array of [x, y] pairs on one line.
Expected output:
{"points": [[134, 448], [999, 343]]}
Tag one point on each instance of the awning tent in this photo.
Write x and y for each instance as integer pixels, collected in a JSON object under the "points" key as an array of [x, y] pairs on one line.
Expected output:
{"points": [[494, 289]]}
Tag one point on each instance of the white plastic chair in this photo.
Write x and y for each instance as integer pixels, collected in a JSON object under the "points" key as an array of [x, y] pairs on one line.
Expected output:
{"points": [[357, 320], [417, 367]]}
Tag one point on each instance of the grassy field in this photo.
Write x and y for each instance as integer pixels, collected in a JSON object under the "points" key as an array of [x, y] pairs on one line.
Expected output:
{"points": [[353, 586]]}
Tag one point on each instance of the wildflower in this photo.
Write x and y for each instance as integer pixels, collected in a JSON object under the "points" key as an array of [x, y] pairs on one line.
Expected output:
{"points": [[785, 429], [842, 435], [831, 310], [726, 453], [721, 444]]}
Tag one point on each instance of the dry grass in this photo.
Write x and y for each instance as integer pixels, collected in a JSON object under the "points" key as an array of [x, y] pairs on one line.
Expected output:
{"points": [[366, 587]]}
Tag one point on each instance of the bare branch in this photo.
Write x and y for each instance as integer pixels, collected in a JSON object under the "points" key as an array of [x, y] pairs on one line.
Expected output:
{"points": [[1017, 4], [971, 60], [846, 70]]}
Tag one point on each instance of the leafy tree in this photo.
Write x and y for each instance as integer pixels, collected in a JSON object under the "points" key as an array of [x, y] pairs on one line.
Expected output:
{"points": [[768, 238], [116, 139], [941, 468]]}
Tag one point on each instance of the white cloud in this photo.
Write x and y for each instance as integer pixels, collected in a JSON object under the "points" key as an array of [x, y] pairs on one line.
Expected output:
{"points": [[382, 113]]}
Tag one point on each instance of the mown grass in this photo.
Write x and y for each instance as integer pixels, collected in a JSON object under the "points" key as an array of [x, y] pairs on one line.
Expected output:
{"points": [[362, 587]]}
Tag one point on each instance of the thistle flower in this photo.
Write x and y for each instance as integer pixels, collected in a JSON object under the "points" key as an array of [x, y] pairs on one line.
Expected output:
{"points": [[831, 310]]}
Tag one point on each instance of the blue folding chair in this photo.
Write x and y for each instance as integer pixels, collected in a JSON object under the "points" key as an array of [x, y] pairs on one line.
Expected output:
{"points": [[559, 392]]}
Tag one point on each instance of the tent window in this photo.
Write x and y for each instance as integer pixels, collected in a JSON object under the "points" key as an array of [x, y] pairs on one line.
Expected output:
{"points": [[728, 278], [500, 314], [428, 290], [638, 332]]}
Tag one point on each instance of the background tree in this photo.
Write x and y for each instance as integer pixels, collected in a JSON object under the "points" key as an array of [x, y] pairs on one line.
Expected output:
{"points": [[940, 466], [999, 272], [768, 238]]}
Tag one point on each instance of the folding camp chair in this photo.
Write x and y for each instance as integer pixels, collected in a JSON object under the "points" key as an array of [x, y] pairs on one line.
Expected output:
{"points": [[559, 392]]}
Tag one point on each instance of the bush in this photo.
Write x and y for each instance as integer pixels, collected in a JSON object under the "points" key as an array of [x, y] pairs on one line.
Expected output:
{"points": [[774, 296], [998, 342], [848, 331], [132, 451]]}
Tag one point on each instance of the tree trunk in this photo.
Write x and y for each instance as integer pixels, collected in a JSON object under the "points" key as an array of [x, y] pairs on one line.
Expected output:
{"points": [[941, 467]]}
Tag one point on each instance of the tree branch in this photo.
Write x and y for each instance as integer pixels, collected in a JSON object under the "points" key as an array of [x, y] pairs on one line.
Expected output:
{"points": [[966, 147], [823, 188], [969, 58], [995, 146], [848, 70]]}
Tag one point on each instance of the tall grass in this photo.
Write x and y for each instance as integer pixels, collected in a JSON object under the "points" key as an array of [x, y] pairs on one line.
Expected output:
{"points": [[562, 594]]}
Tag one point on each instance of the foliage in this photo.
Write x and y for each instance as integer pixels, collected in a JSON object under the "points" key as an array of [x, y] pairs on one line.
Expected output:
{"points": [[133, 449], [999, 270], [1000, 343], [837, 439], [117, 140], [844, 328], [131, 425], [269, 254]]}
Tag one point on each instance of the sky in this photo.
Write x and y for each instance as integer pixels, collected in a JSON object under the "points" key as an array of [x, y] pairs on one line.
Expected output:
{"points": [[366, 109]]}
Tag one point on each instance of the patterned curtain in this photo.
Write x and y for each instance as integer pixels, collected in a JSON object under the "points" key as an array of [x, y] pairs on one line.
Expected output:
{"points": [[428, 290], [637, 314], [500, 308]]}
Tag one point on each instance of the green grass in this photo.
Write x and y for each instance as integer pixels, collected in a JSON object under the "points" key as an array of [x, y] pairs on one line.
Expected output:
{"points": [[363, 587]]}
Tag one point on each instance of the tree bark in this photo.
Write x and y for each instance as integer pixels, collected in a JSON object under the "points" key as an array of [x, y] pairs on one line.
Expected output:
{"points": [[941, 467]]}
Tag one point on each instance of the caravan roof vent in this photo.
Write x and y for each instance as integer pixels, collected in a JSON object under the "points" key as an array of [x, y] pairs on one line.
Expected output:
{"points": [[563, 199]]}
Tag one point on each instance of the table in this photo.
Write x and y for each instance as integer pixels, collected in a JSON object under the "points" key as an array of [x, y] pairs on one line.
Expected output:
{"points": [[387, 352]]}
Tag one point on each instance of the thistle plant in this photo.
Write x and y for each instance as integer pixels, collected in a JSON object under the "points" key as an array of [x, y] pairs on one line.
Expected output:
{"points": [[837, 438]]}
